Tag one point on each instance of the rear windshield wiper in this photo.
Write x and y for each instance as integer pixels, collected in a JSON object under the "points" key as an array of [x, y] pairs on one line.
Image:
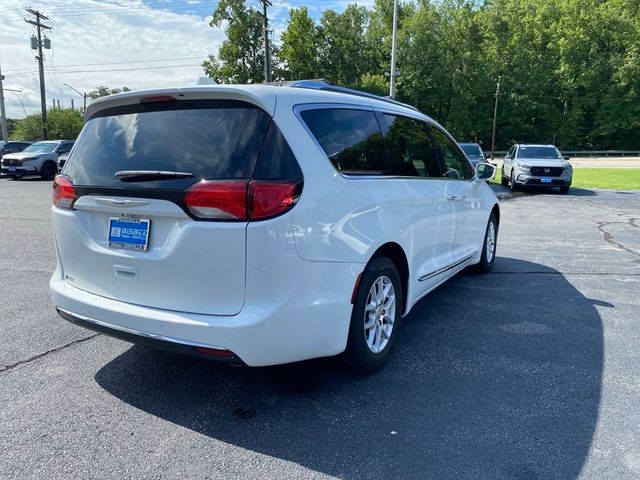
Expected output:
{"points": [[150, 175]]}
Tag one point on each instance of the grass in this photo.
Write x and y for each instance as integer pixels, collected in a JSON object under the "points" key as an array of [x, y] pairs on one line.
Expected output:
{"points": [[607, 178]]}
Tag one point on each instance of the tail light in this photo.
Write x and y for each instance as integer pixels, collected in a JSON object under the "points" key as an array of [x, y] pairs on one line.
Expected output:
{"points": [[218, 200], [239, 199], [268, 199], [63, 195]]}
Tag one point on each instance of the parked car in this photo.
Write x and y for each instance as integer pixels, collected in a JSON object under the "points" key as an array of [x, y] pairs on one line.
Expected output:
{"points": [[474, 152], [40, 158], [13, 147], [62, 159], [536, 165], [290, 222]]}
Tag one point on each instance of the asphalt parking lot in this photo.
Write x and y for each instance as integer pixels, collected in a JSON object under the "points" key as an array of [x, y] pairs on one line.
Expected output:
{"points": [[530, 372]]}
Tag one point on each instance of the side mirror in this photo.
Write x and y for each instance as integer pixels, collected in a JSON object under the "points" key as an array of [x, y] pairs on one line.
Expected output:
{"points": [[566, 157], [485, 171]]}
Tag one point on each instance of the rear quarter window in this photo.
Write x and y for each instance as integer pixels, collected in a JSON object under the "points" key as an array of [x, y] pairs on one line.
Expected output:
{"points": [[210, 139], [350, 138]]}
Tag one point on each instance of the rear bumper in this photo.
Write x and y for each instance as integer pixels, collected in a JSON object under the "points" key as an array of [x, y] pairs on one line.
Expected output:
{"points": [[309, 321]]}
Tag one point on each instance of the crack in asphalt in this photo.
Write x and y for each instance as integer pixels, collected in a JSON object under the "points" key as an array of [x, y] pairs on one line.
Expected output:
{"points": [[5, 368], [608, 237]]}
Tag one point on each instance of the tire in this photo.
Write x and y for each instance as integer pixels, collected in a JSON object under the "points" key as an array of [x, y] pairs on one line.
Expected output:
{"points": [[488, 257], [48, 171], [504, 180], [15, 177], [367, 348], [565, 189], [514, 185]]}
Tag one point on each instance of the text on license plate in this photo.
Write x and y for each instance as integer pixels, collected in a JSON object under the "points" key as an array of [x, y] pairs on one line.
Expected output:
{"points": [[545, 180], [131, 233]]}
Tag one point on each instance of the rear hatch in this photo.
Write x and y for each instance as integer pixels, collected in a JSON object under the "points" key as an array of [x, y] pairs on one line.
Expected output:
{"points": [[130, 234]]}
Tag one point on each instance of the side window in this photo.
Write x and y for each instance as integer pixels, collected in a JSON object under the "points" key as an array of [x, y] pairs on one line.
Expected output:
{"points": [[455, 162], [276, 160], [65, 148], [512, 151], [351, 139], [410, 148]]}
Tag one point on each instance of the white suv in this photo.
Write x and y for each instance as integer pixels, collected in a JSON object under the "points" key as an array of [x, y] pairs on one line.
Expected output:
{"points": [[263, 224]]}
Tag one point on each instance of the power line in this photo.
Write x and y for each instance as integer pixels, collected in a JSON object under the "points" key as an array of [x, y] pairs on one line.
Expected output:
{"points": [[22, 69], [31, 74]]}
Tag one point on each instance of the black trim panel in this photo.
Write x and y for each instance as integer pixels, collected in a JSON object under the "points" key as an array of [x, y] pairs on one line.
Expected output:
{"points": [[146, 341]]}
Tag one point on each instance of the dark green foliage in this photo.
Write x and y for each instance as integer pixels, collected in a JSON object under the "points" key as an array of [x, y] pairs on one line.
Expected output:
{"points": [[103, 91], [570, 69], [64, 123]]}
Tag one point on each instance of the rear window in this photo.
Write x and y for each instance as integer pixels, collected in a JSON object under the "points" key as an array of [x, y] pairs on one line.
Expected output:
{"points": [[471, 149], [351, 139], [209, 139]]}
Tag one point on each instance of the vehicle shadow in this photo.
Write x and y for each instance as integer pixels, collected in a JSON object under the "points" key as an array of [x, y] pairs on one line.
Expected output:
{"points": [[494, 376]]}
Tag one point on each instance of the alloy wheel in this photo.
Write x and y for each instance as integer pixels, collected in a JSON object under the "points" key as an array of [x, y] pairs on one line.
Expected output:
{"points": [[379, 314]]}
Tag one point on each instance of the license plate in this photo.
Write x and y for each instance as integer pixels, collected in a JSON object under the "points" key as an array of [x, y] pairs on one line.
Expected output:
{"points": [[545, 180], [12, 169], [131, 233]]}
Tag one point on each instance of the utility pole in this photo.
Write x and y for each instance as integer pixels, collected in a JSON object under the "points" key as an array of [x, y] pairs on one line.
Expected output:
{"points": [[3, 113], [267, 51], [394, 47], [43, 99], [495, 115]]}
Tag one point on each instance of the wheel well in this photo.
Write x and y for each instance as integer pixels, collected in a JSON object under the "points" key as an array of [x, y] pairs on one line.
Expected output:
{"points": [[395, 253], [496, 211], [49, 162]]}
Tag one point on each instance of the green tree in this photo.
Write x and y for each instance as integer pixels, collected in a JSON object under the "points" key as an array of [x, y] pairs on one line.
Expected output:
{"points": [[570, 69], [299, 50], [342, 50], [240, 58], [64, 123], [103, 91]]}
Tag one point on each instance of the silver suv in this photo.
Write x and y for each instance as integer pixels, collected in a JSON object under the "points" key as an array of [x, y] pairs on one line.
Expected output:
{"points": [[39, 158], [536, 165]]}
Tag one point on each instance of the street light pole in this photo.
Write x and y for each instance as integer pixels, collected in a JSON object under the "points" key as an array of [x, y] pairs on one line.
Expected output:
{"points": [[83, 95], [394, 47]]}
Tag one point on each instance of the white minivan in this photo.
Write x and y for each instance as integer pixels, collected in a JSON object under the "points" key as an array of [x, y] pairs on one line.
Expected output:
{"points": [[263, 224]]}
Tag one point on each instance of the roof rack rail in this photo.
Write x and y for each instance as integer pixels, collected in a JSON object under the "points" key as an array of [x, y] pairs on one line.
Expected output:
{"points": [[326, 85]]}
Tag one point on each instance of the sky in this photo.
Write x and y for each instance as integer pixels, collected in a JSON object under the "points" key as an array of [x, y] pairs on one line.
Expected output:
{"points": [[136, 43]]}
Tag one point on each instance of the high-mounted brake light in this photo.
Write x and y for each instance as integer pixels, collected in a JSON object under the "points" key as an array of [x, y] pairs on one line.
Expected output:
{"points": [[63, 195], [158, 99], [239, 199]]}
